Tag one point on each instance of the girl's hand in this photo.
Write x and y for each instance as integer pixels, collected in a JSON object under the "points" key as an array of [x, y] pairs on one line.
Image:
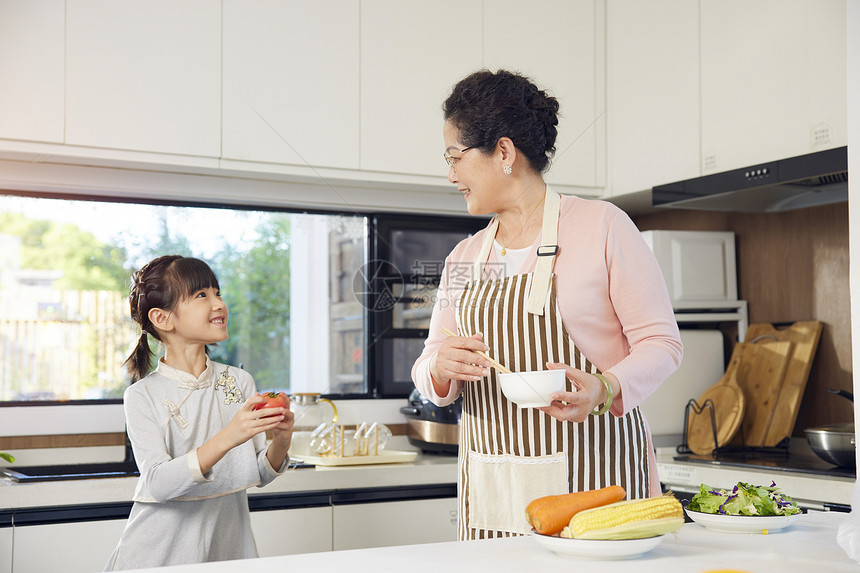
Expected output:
{"points": [[458, 359], [283, 432], [282, 437], [576, 406], [248, 422]]}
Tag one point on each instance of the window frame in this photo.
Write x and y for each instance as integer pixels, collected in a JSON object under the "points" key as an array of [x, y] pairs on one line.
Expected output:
{"points": [[379, 223]]}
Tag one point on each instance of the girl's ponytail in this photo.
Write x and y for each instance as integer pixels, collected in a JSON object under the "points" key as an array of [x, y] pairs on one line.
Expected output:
{"points": [[139, 360]]}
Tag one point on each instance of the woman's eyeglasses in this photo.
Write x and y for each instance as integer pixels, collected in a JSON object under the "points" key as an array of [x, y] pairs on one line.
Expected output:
{"points": [[451, 160]]}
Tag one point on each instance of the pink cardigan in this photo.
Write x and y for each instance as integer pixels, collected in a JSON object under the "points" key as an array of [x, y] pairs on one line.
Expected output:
{"points": [[611, 295]]}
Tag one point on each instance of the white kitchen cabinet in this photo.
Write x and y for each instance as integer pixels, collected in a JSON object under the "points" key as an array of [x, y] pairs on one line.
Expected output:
{"points": [[81, 547], [291, 531], [394, 523], [6, 537], [773, 80], [32, 56], [144, 76], [291, 82], [565, 56], [652, 61], [412, 53]]}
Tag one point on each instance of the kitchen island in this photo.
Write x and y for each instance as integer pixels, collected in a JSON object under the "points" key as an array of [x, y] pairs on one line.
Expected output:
{"points": [[307, 513], [805, 546]]}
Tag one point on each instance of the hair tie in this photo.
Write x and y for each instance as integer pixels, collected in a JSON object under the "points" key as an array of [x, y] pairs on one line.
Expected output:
{"points": [[141, 292]]}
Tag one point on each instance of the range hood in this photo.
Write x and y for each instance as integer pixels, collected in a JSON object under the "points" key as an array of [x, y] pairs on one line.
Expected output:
{"points": [[811, 180]]}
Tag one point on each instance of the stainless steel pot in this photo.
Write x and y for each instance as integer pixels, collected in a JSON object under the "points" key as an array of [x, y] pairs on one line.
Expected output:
{"points": [[834, 443]]}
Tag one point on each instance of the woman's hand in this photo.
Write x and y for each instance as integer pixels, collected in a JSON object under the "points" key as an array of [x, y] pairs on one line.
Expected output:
{"points": [[576, 406], [458, 359]]}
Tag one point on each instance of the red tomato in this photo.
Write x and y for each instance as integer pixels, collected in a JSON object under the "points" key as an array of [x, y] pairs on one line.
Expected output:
{"points": [[273, 400]]}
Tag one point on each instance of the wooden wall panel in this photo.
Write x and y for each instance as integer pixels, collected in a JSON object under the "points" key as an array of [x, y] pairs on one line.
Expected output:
{"points": [[61, 441], [110, 439], [791, 266]]}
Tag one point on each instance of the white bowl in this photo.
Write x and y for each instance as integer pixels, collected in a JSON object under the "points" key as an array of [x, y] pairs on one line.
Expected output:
{"points": [[532, 389]]}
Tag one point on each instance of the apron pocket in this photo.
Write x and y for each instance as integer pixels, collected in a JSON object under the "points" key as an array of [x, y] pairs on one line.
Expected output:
{"points": [[501, 486]]}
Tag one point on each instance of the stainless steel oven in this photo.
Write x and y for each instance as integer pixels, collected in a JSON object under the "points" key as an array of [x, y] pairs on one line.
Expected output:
{"points": [[407, 258]]}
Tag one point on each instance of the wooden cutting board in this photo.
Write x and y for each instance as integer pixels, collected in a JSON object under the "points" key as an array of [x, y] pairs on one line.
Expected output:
{"points": [[760, 375], [728, 404], [804, 337]]}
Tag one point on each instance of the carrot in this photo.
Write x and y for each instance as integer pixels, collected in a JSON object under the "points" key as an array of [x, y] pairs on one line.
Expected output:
{"points": [[548, 517], [536, 503], [532, 507]]}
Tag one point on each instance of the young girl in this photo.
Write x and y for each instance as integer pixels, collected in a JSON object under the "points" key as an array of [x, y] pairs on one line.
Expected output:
{"points": [[198, 442]]}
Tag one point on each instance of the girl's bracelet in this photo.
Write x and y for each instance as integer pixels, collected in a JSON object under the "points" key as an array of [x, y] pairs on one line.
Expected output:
{"points": [[608, 403]]}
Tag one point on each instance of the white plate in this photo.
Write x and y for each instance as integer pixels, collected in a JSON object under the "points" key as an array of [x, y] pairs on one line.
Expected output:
{"points": [[597, 548], [742, 523]]}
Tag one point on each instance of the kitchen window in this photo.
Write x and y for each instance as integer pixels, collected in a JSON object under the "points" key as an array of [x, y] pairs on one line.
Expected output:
{"points": [[304, 311]]}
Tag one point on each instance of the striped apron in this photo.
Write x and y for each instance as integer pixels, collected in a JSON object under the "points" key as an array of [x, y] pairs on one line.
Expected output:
{"points": [[509, 455]]}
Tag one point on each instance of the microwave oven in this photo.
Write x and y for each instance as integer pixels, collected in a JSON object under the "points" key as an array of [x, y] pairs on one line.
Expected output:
{"points": [[699, 267]]}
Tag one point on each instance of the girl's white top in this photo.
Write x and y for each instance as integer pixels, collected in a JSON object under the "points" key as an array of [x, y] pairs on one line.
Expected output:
{"points": [[181, 515]]}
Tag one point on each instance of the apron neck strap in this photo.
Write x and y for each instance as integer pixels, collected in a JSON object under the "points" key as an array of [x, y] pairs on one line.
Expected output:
{"points": [[484, 254], [546, 253]]}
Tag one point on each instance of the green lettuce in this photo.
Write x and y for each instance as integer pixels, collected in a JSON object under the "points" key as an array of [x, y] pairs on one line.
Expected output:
{"points": [[743, 499]]}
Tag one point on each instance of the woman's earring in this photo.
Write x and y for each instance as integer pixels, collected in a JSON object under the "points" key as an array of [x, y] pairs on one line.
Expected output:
{"points": [[507, 169]]}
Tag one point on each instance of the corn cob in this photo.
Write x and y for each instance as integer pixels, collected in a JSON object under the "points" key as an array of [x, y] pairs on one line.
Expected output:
{"points": [[631, 519]]}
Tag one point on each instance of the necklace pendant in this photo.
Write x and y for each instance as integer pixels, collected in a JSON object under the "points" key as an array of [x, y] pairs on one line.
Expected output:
{"points": [[503, 251]]}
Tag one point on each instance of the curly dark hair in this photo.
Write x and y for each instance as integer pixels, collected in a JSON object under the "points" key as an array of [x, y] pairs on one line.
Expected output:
{"points": [[487, 106]]}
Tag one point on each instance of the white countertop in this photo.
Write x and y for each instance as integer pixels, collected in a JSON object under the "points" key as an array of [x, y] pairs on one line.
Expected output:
{"points": [[808, 545], [426, 469]]}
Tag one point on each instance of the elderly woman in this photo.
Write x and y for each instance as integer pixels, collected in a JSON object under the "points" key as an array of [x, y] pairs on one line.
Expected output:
{"points": [[551, 282]]}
